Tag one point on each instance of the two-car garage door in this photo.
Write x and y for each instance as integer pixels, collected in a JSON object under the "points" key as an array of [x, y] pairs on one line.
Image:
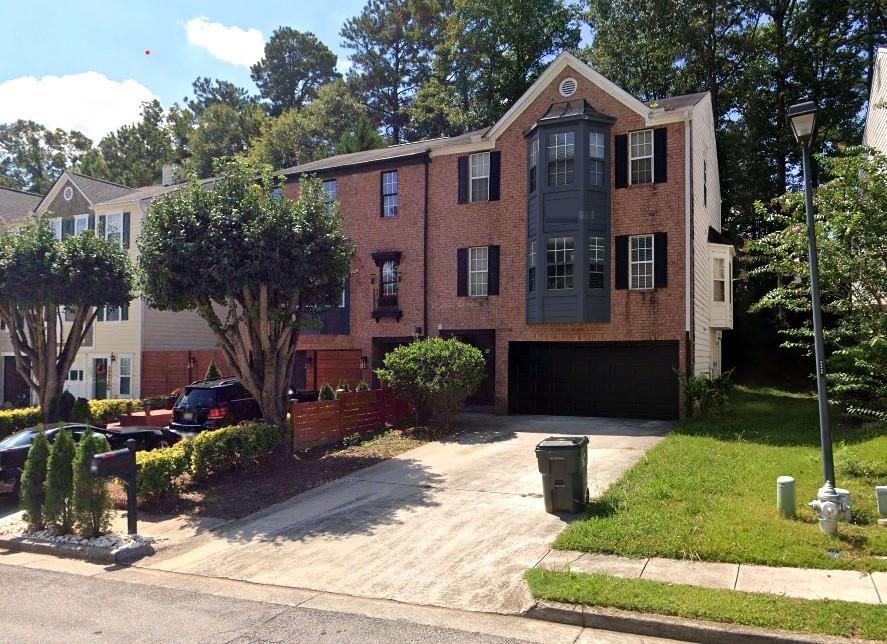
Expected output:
{"points": [[629, 380]]}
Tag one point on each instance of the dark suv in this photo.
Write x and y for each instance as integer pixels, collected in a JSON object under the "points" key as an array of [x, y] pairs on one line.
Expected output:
{"points": [[210, 404]]}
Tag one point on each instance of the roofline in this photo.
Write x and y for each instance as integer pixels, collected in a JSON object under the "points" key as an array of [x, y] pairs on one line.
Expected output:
{"points": [[56, 186], [292, 172], [111, 183], [24, 192]]}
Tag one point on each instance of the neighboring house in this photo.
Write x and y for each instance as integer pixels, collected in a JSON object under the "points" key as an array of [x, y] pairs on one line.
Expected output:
{"points": [[576, 242], [110, 364], [875, 134]]}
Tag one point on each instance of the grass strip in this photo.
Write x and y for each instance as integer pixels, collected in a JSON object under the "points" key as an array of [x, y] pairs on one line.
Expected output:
{"points": [[822, 616]]}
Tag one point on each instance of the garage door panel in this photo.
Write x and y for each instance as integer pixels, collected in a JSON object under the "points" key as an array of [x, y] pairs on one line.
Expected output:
{"points": [[588, 379]]}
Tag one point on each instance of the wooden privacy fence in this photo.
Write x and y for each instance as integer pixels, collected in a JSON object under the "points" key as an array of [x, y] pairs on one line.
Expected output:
{"points": [[329, 421]]}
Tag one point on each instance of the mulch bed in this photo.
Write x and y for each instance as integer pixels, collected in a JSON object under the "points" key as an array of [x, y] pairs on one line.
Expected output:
{"points": [[238, 493]]}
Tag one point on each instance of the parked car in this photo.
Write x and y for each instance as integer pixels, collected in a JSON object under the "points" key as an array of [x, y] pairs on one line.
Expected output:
{"points": [[14, 448], [210, 404]]}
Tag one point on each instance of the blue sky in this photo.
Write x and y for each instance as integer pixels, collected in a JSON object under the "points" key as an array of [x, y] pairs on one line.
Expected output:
{"points": [[63, 41]]}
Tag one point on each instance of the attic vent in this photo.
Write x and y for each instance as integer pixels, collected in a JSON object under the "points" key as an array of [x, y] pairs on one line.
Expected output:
{"points": [[568, 87], [67, 193]]}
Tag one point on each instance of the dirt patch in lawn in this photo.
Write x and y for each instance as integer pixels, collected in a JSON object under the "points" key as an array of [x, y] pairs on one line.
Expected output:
{"points": [[238, 493]]}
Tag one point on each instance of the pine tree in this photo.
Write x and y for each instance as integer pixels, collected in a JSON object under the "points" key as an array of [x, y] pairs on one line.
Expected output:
{"points": [[60, 484], [33, 478], [92, 503], [212, 372]]}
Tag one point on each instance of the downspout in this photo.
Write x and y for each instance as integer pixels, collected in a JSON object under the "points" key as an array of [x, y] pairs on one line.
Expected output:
{"points": [[426, 159], [688, 242]]}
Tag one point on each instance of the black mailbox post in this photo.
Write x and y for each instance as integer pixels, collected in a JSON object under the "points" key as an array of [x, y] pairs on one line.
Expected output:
{"points": [[121, 463]]}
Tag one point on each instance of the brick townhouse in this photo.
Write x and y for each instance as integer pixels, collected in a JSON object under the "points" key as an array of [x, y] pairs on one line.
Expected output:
{"points": [[576, 242]]}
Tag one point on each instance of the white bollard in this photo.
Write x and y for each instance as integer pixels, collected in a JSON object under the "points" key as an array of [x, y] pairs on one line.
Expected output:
{"points": [[785, 496]]}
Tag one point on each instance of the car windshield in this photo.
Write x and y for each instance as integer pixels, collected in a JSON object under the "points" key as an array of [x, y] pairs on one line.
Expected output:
{"points": [[197, 397], [20, 439]]}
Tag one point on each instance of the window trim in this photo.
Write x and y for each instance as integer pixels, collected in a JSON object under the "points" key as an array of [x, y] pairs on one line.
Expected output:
{"points": [[108, 218], [594, 160], [602, 262], [533, 164], [58, 228], [395, 194], [572, 275], [651, 262], [531, 272], [651, 156], [549, 160], [485, 272], [119, 316], [722, 262], [389, 301], [472, 178], [121, 376], [79, 219], [331, 199]]}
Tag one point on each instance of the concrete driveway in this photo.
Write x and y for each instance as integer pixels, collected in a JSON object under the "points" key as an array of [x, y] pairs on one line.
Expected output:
{"points": [[453, 523]]}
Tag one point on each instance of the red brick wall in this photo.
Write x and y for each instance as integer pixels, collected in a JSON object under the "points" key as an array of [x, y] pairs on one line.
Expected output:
{"points": [[637, 316], [332, 367], [164, 371]]}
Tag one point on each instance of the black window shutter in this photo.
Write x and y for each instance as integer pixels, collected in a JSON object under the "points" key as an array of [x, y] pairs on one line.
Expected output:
{"points": [[92, 221], [463, 179], [621, 161], [124, 311], [660, 155], [126, 230], [100, 232], [660, 260], [622, 261], [493, 270], [462, 272], [67, 227], [495, 167]]}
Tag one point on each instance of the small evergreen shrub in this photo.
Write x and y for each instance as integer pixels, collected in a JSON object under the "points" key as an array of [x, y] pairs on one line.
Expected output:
{"points": [[60, 484], [232, 447], [13, 420], [706, 396], [33, 479], [92, 503], [326, 393], [343, 385], [352, 439], [362, 386], [80, 411], [66, 405], [435, 375], [212, 371], [159, 470]]}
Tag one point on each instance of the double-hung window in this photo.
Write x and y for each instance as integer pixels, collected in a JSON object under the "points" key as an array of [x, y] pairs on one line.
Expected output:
{"points": [[329, 190], [389, 194], [114, 228], [532, 162], [531, 277], [719, 273], [388, 289], [124, 375], [56, 224], [559, 263], [596, 254], [113, 314], [480, 176], [561, 158], [81, 224], [640, 266], [478, 268], [596, 148], [641, 151]]}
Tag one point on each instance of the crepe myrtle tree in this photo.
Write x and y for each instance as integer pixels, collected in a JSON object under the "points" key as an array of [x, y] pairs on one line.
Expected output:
{"points": [[41, 277], [250, 262]]}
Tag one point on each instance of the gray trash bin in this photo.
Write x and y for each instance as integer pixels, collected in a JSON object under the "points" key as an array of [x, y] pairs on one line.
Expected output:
{"points": [[563, 462]]}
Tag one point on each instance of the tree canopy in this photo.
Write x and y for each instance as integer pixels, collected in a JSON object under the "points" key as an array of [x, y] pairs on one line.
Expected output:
{"points": [[32, 156]]}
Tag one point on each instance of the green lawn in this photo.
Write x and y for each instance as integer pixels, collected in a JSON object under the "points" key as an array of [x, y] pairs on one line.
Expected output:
{"points": [[842, 619], [708, 491]]}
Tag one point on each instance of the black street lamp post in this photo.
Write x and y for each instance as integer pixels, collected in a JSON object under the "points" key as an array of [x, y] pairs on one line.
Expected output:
{"points": [[828, 504]]}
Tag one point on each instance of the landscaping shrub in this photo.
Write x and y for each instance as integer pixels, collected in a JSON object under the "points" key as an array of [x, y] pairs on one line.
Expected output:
{"points": [[13, 420], [102, 412], [80, 411], [343, 385], [66, 405], [326, 393], [92, 503], [212, 371], [32, 482], [705, 395], [160, 469], [435, 375], [362, 386], [232, 447], [58, 509]]}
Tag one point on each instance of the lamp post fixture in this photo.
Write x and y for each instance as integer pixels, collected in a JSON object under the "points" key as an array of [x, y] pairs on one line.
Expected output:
{"points": [[828, 504]]}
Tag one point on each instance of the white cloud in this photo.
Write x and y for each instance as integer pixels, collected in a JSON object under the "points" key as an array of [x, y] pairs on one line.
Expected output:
{"points": [[89, 102], [231, 44], [343, 65]]}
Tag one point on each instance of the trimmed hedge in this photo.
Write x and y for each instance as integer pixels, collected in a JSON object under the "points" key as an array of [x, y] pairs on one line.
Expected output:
{"points": [[13, 420], [206, 454], [103, 412]]}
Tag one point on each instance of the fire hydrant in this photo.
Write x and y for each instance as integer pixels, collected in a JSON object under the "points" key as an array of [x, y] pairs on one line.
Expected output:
{"points": [[829, 505]]}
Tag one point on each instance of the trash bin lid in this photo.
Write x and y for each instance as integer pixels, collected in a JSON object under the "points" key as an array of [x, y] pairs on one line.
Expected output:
{"points": [[562, 442]]}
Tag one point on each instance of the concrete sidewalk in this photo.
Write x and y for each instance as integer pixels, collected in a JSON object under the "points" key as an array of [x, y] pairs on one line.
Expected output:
{"points": [[805, 583]]}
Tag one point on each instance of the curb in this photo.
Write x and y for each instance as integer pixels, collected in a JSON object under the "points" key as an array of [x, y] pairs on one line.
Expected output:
{"points": [[92, 554], [677, 628]]}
